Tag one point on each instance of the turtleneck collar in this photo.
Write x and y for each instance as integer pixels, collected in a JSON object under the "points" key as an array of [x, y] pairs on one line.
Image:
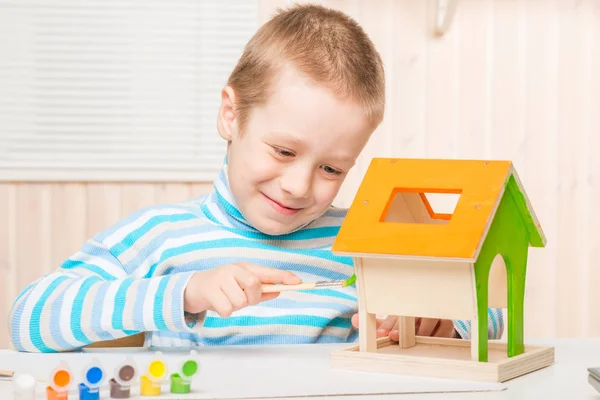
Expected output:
{"points": [[220, 205]]}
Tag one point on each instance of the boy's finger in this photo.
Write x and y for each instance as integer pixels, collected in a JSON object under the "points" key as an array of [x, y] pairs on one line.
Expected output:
{"points": [[236, 295], [269, 296], [428, 326], [386, 325], [354, 320], [221, 304], [273, 275], [446, 329], [250, 284]]}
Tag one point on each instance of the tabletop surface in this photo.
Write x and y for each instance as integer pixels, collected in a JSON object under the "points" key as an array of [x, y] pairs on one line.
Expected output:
{"points": [[294, 372]]}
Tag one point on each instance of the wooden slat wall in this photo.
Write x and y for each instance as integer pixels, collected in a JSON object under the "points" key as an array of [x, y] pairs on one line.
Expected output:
{"points": [[41, 224], [512, 79]]}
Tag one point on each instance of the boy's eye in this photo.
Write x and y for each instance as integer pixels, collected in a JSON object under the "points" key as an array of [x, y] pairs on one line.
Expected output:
{"points": [[283, 152], [330, 170]]}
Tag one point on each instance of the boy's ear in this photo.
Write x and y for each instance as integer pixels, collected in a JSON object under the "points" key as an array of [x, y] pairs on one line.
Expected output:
{"points": [[226, 121]]}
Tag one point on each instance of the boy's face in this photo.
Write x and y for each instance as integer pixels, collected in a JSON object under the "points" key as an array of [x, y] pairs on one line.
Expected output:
{"points": [[287, 166]]}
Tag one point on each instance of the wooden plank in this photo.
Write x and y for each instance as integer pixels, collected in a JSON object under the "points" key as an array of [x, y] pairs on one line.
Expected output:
{"points": [[12, 273], [594, 179], [443, 358], [396, 287], [199, 189], [408, 77], [68, 220], [475, 338], [508, 82], [135, 196], [574, 64], [419, 209], [406, 332], [474, 24], [441, 120], [5, 300], [172, 192], [367, 322], [540, 174], [585, 17], [33, 248], [497, 290], [7, 267], [103, 206], [398, 210], [407, 207]]}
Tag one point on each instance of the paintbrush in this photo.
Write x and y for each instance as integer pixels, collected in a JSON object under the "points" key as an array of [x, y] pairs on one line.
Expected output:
{"points": [[6, 375], [273, 288]]}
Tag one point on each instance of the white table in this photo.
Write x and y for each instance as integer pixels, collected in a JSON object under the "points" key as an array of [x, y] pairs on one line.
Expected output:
{"points": [[285, 370]]}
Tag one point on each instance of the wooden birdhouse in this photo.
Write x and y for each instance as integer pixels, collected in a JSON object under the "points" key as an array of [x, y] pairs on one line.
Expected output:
{"points": [[412, 261]]}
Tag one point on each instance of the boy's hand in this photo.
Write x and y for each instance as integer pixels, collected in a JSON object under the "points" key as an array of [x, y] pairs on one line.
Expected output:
{"points": [[423, 327], [231, 287]]}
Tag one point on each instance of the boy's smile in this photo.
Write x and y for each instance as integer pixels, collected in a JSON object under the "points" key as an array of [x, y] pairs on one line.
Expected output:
{"points": [[281, 208], [287, 165]]}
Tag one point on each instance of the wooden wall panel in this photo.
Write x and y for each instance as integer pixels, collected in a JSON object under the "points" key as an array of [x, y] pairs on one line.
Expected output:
{"points": [[32, 232], [407, 73], [68, 221], [511, 79], [474, 65], [172, 192], [539, 173], [6, 255], [42, 224], [574, 78], [441, 91], [199, 189], [137, 195], [103, 206], [593, 179]]}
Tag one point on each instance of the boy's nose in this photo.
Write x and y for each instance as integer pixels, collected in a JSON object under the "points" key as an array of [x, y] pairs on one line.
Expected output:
{"points": [[297, 182]]}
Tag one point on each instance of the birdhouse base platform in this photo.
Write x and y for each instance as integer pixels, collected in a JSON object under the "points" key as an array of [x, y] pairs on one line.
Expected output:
{"points": [[443, 358]]}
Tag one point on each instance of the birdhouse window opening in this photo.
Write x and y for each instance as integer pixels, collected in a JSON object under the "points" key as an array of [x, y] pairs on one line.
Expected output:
{"points": [[421, 206]]}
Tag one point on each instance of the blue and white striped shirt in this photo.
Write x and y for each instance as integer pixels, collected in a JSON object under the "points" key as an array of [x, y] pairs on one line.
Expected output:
{"points": [[131, 278]]}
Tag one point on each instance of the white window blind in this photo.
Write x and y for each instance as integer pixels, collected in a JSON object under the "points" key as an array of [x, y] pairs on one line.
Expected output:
{"points": [[116, 90]]}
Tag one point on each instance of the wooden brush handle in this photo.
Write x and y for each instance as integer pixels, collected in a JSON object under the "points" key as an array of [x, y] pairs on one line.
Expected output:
{"points": [[5, 373], [269, 288]]}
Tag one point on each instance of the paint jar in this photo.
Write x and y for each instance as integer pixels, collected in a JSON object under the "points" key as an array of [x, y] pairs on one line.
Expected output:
{"points": [[93, 375], [151, 382], [60, 381], [181, 381], [120, 384], [23, 386]]}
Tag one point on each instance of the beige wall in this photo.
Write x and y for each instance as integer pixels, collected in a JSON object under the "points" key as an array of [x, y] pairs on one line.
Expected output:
{"points": [[516, 80]]}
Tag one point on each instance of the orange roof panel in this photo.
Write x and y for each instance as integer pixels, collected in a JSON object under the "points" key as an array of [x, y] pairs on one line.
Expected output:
{"points": [[480, 184]]}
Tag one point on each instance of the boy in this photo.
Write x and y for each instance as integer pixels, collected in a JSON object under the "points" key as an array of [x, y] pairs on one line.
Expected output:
{"points": [[296, 113]]}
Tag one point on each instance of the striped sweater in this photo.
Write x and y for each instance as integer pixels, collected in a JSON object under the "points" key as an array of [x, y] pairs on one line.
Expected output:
{"points": [[131, 278]]}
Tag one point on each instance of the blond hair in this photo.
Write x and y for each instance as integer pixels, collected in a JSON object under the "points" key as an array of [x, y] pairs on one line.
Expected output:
{"points": [[326, 45]]}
